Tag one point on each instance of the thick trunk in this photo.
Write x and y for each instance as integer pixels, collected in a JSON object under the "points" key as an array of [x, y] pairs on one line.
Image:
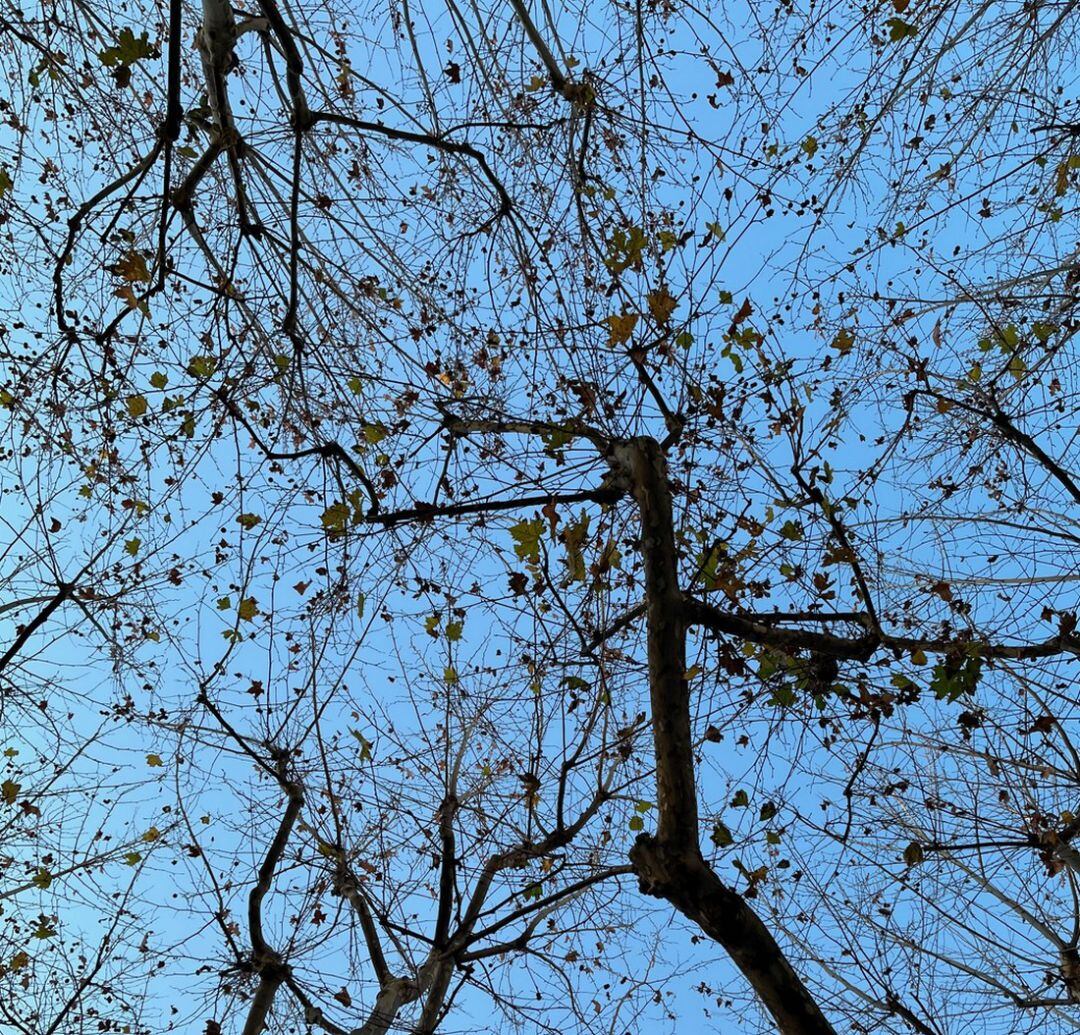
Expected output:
{"points": [[670, 865]]}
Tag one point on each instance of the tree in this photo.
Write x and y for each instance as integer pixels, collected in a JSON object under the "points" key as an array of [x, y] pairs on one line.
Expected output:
{"points": [[502, 482]]}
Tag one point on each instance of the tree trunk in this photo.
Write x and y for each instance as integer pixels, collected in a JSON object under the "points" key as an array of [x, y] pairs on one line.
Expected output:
{"points": [[670, 865]]}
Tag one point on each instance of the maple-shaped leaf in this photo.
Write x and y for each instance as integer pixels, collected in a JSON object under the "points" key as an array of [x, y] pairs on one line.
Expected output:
{"points": [[127, 50], [526, 535], [132, 267], [661, 305], [620, 328]]}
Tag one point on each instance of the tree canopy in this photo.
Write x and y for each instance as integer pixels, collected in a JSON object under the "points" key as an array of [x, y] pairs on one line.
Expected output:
{"points": [[527, 517]]}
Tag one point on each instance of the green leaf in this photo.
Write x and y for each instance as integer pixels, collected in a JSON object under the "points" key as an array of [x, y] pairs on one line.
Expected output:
{"points": [[42, 879], [637, 823], [365, 745], [809, 146], [132, 546], [133, 858], [955, 677], [721, 836], [127, 50], [248, 521], [247, 609], [453, 631], [158, 380], [202, 366], [336, 517], [792, 530], [900, 30], [526, 535]]}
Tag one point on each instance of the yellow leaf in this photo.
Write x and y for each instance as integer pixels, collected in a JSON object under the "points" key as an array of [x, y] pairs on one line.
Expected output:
{"points": [[247, 609], [661, 305], [151, 835], [620, 328], [154, 760], [136, 405]]}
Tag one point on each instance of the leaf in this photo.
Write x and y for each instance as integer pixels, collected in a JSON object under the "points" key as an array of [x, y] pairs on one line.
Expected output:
{"points": [[532, 891], [136, 405], [626, 249], [745, 311], [374, 433], [661, 305], [131, 547], [574, 536], [453, 631], [900, 30], [202, 367], [19, 960], [343, 996], [792, 530], [810, 146], [636, 823], [955, 677], [335, 518], [42, 879], [620, 328], [741, 800], [942, 589], [844, 341], [9, 791], [721, 836], [158, 380], [913, 854], [526, 535], [643, 806], [5, 182], [132, 268], [44, 929], [247, 609], [151, 835], [133, 858], [154, 761], [248, 521], [361, 603], [768, 810], [450, 676], [127, 50], [365, 745]]}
